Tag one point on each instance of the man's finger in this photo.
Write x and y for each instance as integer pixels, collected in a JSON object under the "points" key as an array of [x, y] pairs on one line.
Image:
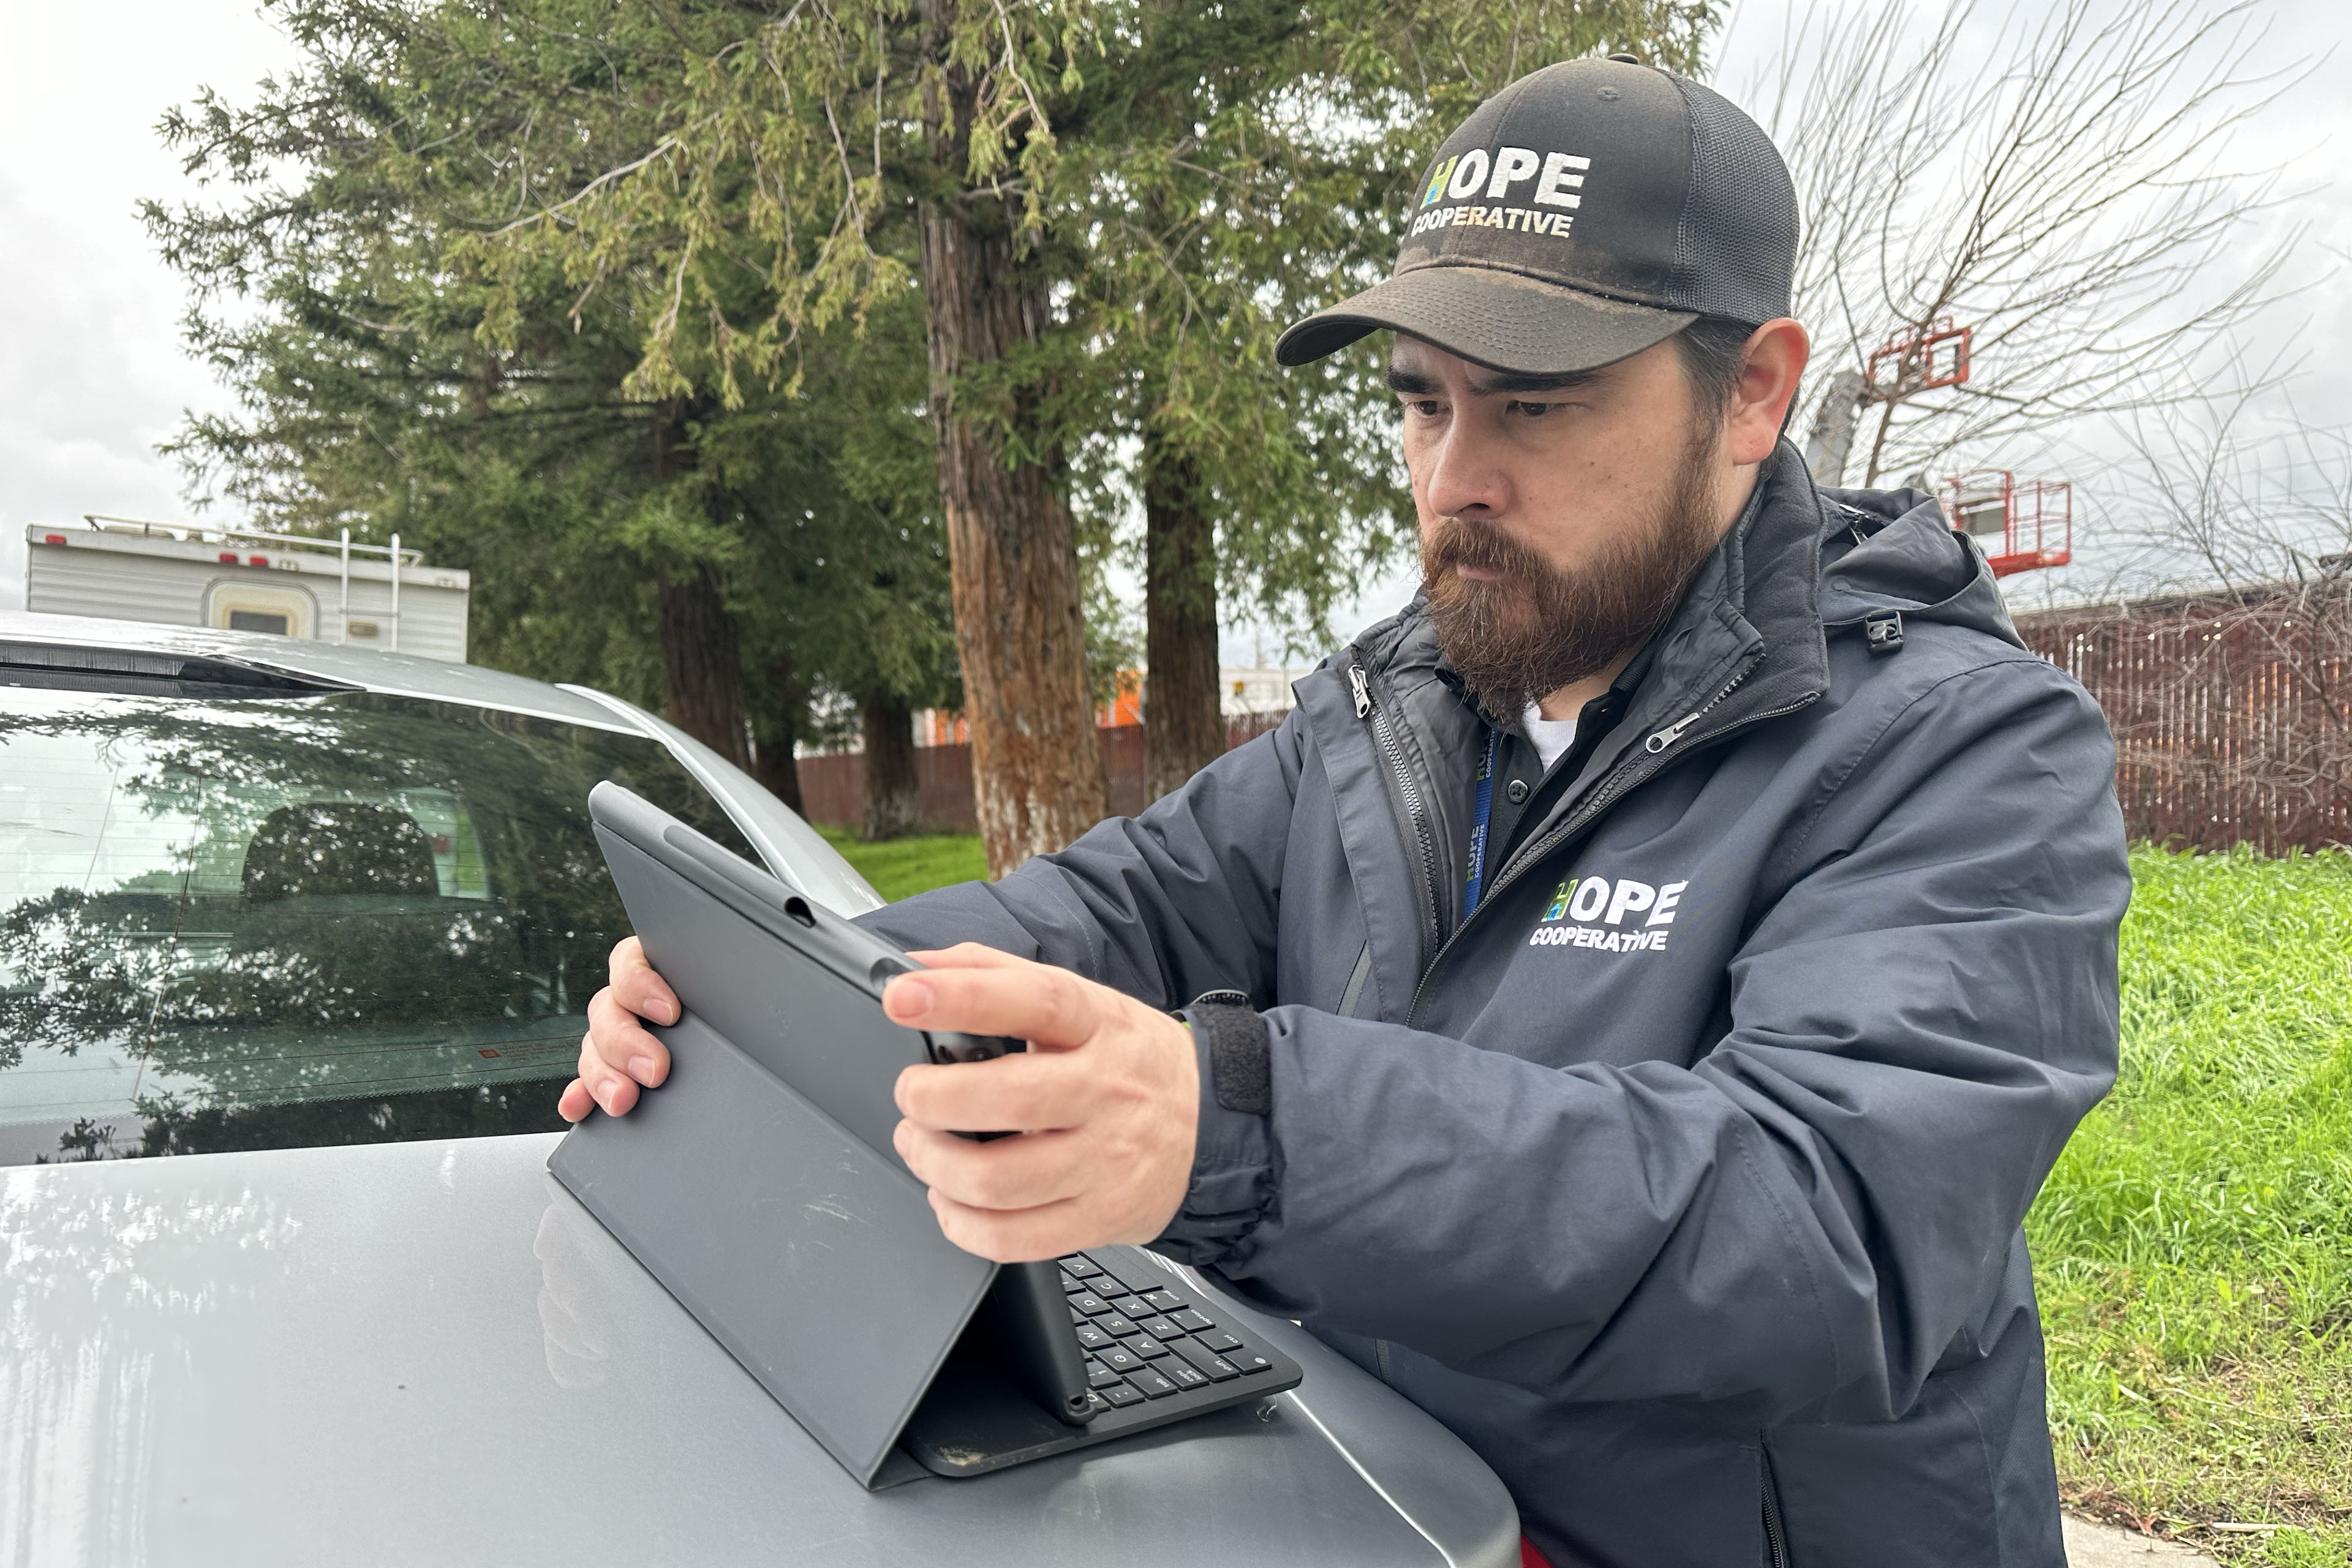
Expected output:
{"points": [[618, 1095], [968, 956], [1023, 1172], [1033, 1002], [1030, 1090], [623, 1043], [590, 1089], [635, 985], [616, 1091], [1025, 1235], [575, 1103]]}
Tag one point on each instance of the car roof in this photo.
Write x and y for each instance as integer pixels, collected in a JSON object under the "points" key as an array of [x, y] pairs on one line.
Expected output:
{"points": [[782, 840], [395, 674]]}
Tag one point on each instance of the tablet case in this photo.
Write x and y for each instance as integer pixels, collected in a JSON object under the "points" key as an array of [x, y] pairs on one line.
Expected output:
{"points": [[758, 1185], [774, 1211]]}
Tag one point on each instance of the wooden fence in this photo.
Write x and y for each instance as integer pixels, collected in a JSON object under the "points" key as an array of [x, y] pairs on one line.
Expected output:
{"points": [[2232, 718], [2229, 713], [833, 787]]}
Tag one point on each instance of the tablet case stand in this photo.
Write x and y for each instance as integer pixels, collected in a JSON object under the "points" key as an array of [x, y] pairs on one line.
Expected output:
{"points": [[789, 1228]]}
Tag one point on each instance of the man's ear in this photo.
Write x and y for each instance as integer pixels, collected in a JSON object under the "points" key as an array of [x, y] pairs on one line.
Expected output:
{"points": [[1770, 367]]}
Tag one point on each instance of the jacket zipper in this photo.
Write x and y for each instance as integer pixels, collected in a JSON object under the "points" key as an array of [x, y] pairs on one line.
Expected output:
{"points": [[1774, 1541], [1425, 838], [1617, 783], [1660, 740]]}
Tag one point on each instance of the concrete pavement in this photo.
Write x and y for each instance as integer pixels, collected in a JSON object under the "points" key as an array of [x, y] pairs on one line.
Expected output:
{"points": [[2091, 1545]]}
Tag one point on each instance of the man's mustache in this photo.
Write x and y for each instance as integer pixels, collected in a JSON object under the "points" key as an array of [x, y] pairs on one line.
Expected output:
{"points": [[1458, 541]]}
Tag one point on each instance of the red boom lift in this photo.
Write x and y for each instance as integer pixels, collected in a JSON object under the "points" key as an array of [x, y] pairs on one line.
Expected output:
{"points": [[2022, 524]]}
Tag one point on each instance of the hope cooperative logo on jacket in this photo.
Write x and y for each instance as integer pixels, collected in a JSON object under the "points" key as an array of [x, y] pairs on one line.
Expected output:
{"points": [[1595, 903]]}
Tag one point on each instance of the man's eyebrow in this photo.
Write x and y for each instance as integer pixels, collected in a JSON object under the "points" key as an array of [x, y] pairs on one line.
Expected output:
{"points": [[1494, 384], [1500, 382]]}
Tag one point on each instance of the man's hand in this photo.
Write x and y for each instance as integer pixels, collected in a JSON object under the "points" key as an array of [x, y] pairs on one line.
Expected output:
{"points": [[1107, 1100], [618, 1054]]}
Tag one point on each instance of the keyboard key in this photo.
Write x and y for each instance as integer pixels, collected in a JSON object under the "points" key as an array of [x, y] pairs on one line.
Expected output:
{"points": [[1114, 1323], [1101, 1376], [1249, 1360], [1091, 1336], [1139, 1272], [1213, 1367], [1070, 1287], [1164, 1301], [1077, 1267], [1095, 1403], [1092, 1305], [1191, 1321], [1120, 1359], [1161, 1328], [1221, 1341], [1121, 1394], [1182, 1375], [1153, 1386], [1147, 1347]]}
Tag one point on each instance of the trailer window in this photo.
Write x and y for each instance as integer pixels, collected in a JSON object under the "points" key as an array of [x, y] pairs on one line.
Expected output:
{"points": [[229, 923], [239, 605]]}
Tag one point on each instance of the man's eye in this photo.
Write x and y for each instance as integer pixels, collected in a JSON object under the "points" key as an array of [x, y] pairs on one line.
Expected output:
{"points": [[1534, 410], [1425, 408]]}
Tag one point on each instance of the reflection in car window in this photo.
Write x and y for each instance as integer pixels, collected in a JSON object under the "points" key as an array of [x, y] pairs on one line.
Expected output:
{"points": [[266, 923]]}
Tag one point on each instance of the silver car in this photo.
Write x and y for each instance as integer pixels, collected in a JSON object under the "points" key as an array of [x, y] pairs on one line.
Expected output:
{"points": [[323, 923]]}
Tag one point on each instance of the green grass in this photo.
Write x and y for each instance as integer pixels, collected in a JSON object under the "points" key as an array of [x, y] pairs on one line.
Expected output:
{"points": [[900, 867], [2194, 1248]]}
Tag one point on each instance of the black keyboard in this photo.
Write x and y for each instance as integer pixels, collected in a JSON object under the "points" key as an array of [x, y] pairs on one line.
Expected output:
{"points": [[1147, 1336], [1154, 1350]]}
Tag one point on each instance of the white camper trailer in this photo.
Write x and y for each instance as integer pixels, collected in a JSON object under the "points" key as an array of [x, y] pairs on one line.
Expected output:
{"points": [[326, 589]]}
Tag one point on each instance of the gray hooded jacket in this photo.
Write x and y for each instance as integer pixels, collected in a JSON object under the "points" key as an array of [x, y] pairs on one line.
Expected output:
{"points": [[1684, 1177]]}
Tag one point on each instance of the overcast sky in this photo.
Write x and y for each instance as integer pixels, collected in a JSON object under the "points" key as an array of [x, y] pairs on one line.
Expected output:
{"points": [[91, 371]]}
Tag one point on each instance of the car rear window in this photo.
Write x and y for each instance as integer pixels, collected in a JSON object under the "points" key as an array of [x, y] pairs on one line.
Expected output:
{"points": [[231, 923]]}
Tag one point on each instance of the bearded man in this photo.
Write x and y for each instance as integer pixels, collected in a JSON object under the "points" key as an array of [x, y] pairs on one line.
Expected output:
{"points": [[1631, 1001]]}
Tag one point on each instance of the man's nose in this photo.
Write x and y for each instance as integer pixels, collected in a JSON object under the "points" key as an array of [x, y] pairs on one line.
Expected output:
{"points": [[1463, 477]]}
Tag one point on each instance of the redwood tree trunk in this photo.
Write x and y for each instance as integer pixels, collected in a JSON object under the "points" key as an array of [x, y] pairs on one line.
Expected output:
{"points": [[778, 770], [1184, 727], [702, 663], [1036, 767], [892, 796], [702, 668]]}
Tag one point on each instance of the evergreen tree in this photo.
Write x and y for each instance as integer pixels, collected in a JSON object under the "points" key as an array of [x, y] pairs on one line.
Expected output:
{"points": [[658, 543], [1115, 201], [605, 301]]}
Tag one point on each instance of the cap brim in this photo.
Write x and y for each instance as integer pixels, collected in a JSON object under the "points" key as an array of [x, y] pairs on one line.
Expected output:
{"points": [[1504, 320]]}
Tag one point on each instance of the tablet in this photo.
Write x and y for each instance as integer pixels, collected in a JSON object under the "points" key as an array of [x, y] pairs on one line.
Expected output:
{"points": [[758, 1184]]}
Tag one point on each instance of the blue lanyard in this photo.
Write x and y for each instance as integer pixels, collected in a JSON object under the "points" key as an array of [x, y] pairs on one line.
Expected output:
{"points": [[1477, 877]]}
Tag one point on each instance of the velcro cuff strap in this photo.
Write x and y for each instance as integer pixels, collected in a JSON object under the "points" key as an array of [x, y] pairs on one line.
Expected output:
{"points": [[1237, 1055]]}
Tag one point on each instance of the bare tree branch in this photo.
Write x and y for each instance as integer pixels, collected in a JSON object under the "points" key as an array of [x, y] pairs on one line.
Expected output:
{"points": [[2061, 186]]}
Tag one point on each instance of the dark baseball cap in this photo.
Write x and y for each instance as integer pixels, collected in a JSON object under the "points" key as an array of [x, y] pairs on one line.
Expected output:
{"points": [[1587, 211]]}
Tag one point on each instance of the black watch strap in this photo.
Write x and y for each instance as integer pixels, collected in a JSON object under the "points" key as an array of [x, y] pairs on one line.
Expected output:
{"points": [[1235, 1037]]}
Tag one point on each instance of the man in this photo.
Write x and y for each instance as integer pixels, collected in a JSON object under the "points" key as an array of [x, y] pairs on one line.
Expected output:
{"points": [[1634, 998]]}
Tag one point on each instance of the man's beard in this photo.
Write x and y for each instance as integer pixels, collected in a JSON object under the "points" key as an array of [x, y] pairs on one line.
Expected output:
{"points": [[1535, 628]]}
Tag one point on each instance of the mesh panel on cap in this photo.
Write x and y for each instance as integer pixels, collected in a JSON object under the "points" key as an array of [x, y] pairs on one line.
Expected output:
{"points": [[1735, 251]]}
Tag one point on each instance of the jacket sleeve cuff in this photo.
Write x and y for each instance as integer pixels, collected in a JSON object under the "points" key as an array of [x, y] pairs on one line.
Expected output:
{"points": [[1233, 1183]]}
